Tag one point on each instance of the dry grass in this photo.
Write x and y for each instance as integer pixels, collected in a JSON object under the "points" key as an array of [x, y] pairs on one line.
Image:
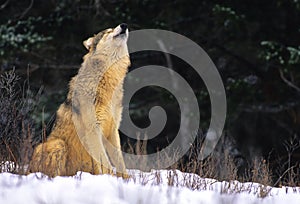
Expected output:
{"points": [[221, 169], [16, 125]]}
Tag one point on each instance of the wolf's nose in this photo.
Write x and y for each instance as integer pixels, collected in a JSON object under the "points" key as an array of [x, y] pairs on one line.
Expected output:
{"points": [[123, 27]]}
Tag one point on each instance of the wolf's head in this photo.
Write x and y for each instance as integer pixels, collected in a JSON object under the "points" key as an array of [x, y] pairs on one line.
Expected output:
{"points": [[110, 43]]}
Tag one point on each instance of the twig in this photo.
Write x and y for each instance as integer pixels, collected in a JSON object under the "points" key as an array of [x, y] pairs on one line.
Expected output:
{"points": [[4, 5], [269, 108], [27, 9], [10, 151], [289, 83], [284, 174]]}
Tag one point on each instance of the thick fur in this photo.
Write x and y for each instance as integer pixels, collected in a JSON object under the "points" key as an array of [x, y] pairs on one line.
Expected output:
{"points": [[103, 70]]}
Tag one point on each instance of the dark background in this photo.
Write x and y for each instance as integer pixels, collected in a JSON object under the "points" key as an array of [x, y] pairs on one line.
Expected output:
{"points": [[254, 44]]}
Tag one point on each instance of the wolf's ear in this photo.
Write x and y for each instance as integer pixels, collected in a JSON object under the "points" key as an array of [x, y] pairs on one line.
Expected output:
{"points": [[88, 43]]}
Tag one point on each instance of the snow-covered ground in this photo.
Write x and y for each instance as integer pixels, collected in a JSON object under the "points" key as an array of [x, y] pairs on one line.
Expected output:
{"points": [[143, 188]]}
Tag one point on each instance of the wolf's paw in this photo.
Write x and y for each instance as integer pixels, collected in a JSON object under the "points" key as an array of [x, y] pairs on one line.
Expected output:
{"points": [[105, 170], [124, 175]]}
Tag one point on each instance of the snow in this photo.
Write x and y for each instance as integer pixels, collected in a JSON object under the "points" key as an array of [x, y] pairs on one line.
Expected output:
{"points": [[155, 187]]}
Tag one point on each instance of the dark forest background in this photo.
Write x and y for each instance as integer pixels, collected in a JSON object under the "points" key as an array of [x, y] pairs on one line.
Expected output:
{"points": [[254, 44]]}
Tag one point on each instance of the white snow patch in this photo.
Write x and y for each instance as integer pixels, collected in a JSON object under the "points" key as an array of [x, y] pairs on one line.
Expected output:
{"points": [[155, 187]]}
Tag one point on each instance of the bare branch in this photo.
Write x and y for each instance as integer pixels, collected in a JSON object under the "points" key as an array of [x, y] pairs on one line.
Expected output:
{"points": [[27, 9], [35, 67], [289, 83], [4, 5], [269, 108], [169, 62]]}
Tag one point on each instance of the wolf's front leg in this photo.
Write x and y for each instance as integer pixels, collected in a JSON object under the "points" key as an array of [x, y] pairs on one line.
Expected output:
{"points": [[113, 147], [90, 134], [96, 149]]}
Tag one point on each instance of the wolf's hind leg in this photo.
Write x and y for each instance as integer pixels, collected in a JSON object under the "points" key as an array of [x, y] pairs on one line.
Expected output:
{"points": [[50, 158]]}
